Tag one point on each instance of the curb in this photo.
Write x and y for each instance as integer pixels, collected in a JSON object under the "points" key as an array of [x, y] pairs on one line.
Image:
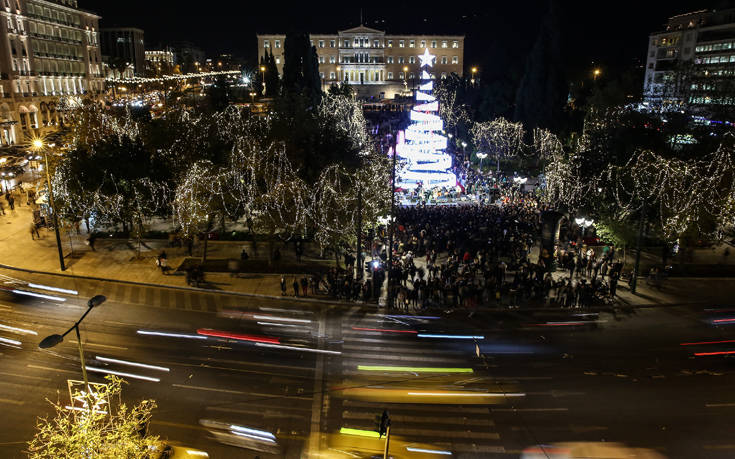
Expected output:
{"points": [[176, 287]]}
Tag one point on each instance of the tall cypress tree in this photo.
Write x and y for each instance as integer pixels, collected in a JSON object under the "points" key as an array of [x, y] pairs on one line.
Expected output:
{"points": [[272, 80], [301, 67], [543, 89]]}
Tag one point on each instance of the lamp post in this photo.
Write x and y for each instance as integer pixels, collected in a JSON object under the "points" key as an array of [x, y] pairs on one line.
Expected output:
{"points": [[405, 77], [339, 77], [474, 71], [464, 154], [52, 340], [596, 73], [262, 72], [481, 156], [38, 145]]}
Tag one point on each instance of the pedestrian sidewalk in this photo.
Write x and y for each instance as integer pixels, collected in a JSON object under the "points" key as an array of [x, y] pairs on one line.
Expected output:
{"points": [[117, 259]]}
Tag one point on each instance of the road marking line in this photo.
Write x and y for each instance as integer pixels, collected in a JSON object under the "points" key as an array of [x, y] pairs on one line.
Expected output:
{"points": [[460, 420], [12, 402], [513, 410], [23, 376], [39, 367]]}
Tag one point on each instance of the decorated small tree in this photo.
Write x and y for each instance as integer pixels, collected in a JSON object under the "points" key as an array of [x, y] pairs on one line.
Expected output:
{"points": [[105, 428]]}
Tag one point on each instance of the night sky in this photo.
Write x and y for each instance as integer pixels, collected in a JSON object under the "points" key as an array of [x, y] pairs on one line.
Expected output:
{"points": [[611, 34]]}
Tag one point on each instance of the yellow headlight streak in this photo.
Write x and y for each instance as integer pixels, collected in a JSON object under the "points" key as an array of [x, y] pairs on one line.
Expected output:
{"points": [[413, 369], [359, 433]]}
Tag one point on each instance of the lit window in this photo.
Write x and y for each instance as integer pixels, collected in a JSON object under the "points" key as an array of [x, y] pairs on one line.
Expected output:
{"points": [[321, 43], [444, 44], [266, 43], [455, 59], [321, 75], [331, 43], [412, 44], [455, 44], [390, 43], [278, 60], [423, 43], [332, 59], [277, 43], [411, 75], [376, 43], [389, 59], [411, 60], [390, 75], [444, 59], [401, 59], [400, 75], [444, 75], [401, 44], [321, 59], [332, 76], [347, 43], [433, 43]]}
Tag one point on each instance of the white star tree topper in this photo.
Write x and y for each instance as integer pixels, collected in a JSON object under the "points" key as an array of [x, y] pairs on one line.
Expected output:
{"points": [[427, 59]]}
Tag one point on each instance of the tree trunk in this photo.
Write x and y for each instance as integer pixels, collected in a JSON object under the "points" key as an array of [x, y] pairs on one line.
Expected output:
{"points": [[336, 255], [222, 223], [206, 243], [271, 234]]}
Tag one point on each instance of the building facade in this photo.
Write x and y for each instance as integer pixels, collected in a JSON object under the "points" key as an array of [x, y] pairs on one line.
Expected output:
{"points": [[374, 63], [48, 49], [159, 62], [125, 44], [693, 60]]}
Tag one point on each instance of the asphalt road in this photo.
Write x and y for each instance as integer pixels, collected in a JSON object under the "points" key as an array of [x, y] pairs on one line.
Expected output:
{"points": [[540, 378]]}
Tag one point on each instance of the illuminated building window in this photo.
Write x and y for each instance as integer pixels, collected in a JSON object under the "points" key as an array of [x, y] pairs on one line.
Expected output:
{"points": [[321, 43], [390, 75], [423, 43], [347, 43], [411, 60], [389, 59], [433, 43], [266, 44], [331, 43], [412, 44], [332, 59], [376, 43], [390, 43], [401, 59], [401, 44], [277, 43], [444, 44], [400, 75], [455, 44], [455, 59], [444, 59], [332, 76]]}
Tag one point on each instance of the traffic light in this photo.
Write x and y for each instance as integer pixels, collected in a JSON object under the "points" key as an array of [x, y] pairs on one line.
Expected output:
{"points": [[382, 423]]}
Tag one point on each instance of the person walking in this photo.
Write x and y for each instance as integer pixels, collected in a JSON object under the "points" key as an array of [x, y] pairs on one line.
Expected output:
{"points": [[34, 232], [11, 201], [295, 285], [283, 285], [90, 241], [304, 286]]}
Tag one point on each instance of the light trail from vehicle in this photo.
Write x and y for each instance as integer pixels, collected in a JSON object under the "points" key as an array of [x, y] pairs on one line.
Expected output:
{"points": [[170, 335], [53, 289], [237, 336], [256, 432], [385, 330], [423, 335], [132, 364], [281, 319], [39, 295], [20, 331], [708, 342], [428, 451], [296, 348], [120, 373], [359, 433]]}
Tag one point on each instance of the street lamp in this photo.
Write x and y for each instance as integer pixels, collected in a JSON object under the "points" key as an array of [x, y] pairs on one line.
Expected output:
{"points": [[474, 71], [53, 340], [481, 156], [39, 146], [596, 73], [262, 72]]}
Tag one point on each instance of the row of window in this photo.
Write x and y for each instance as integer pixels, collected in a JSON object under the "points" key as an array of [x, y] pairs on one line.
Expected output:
{"points": [[715, 47], [354, 76], [55, 31], [365, 43], [365, 59], [712, 100], [52, 14], [715, 59]]}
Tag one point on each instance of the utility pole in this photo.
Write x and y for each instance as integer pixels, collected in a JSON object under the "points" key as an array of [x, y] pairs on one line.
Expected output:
{"points": [[636, 267], [384, 429], [39, 145], [391, 218]]}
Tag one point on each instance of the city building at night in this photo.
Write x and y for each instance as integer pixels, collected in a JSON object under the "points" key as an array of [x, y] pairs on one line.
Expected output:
{"points": [[125, 44], [374, 63], [49, 49], [159, 62], [693, 60]]}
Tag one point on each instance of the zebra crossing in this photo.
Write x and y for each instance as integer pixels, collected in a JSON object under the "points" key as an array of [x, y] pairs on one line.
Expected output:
{"points": [[400, 360]]}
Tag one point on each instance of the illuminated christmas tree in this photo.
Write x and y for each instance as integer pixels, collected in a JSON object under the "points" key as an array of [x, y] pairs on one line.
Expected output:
{"points": [[421, 148]]}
